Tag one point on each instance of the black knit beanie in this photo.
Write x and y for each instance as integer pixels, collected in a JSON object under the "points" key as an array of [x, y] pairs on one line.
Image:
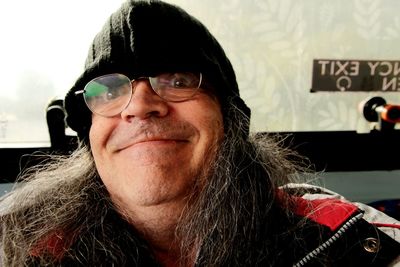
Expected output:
{"points": [[145, 38]]}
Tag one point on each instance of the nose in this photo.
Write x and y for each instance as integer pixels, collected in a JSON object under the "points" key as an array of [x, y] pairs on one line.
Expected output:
{"points": [[144, 103]]}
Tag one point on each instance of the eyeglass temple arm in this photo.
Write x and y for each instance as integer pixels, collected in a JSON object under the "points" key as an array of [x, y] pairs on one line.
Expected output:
{"points": [[79, 92]]}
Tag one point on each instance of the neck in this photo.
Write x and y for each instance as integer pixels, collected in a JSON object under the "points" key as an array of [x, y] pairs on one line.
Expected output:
{"points": [[157, 225]]}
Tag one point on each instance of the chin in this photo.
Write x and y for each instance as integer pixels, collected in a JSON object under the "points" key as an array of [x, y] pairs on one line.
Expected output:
{"points": [[155, 191]]}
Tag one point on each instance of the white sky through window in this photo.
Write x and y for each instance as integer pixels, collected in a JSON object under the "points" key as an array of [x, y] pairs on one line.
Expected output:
{"points": [[48, 37]]}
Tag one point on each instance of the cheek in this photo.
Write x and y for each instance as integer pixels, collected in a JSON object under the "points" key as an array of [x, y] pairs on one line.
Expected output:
{"points": [[210, 126], [213, 122], [213, 128], [98, 136], [99, 133]]}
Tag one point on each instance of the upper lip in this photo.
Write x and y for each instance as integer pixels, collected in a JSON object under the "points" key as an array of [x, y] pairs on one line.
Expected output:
{"points": [[147, 131]]}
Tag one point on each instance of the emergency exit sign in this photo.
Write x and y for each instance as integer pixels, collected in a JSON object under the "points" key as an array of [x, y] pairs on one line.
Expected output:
{"points": [[331, 75]]}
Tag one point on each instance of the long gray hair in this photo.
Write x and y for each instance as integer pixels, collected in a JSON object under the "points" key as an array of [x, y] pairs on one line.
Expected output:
{"points": [[63, 201]]}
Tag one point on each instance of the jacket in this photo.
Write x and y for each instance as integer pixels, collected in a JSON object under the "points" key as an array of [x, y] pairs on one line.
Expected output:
{"points": [[335, 232], [352, 234]]}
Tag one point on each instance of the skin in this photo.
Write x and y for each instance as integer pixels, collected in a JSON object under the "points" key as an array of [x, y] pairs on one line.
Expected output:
{"points": [[150, 156]]}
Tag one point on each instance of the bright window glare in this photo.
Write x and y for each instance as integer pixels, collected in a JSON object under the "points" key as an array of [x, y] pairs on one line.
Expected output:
{"points": [[43, 48]]}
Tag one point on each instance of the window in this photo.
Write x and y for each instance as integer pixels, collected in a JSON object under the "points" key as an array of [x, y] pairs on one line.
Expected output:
{"points": [[272, 45], [43, 48]]}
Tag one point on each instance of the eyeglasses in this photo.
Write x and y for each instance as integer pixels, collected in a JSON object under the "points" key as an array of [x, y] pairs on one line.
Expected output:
{"points": [[110, 94]]}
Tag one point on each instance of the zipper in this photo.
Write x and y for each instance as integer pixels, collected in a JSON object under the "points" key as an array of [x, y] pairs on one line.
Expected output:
{"points": [[329, 242]]}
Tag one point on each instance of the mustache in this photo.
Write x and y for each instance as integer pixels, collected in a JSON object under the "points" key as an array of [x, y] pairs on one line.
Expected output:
{"points": [[152, 129]]}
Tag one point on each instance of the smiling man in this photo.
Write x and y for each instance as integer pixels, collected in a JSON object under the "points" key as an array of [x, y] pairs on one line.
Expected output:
{"points": [[167, 173], [153, 152]]}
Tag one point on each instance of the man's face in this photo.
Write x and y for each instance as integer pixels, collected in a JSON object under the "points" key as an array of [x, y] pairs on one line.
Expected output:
{"points": [[153, 152]]}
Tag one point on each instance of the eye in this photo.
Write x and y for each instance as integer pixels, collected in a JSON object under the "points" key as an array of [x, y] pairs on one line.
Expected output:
{"points": [[179, 80], [110, 95], [113, 93]]}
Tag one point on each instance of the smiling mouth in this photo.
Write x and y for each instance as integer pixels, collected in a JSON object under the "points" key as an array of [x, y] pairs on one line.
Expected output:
{"points": [[155, 142]]}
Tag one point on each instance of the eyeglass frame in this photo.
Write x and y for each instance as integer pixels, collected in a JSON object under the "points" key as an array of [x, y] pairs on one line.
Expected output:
{"points": [[148, 78]]}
